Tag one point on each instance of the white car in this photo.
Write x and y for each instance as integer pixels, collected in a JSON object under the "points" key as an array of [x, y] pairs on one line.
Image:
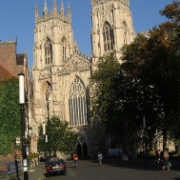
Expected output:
{"points": [[115, 152]]}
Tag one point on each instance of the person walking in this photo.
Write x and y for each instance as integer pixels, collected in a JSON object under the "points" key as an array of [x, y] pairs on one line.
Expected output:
{"points": [[100, 156], [158, 160], [166, 160], [75, 159]]}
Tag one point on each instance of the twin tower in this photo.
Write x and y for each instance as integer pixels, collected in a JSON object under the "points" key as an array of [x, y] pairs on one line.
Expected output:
{"points": [[111, 28], [61, 72]]}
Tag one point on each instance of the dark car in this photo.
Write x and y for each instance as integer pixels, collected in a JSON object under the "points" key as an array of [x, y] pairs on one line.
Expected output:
{"points": [[42, 159], [56, 166]]}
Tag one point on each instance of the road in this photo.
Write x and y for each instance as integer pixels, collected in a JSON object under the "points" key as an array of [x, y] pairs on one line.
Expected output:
{"points": [[89, 170]]}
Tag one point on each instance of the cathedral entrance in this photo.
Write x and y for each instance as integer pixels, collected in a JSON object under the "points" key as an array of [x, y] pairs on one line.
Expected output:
{"points": [[82, 150], [79, 150], [85, 150]]}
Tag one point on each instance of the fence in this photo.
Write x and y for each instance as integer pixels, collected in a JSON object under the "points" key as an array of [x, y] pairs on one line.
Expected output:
{"points": [[8, 169]]}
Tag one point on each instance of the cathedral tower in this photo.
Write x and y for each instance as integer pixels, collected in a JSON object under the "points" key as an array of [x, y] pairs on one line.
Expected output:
{"points": [[111, 27], [53, 48], [52, 30], [60, 71]]}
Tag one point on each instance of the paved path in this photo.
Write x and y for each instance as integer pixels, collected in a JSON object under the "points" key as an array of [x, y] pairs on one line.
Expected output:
{"points": [[110, 170]]}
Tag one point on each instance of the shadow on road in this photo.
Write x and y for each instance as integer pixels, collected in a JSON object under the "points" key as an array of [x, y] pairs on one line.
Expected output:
{"points": [[136, 163]]}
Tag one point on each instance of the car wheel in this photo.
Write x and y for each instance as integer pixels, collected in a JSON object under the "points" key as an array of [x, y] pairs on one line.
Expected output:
{"points": [[64, 173]]}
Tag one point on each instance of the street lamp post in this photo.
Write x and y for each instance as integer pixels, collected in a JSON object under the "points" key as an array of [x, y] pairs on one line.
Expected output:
{"points": [[145, 129], [23, 133], [45, 142]]}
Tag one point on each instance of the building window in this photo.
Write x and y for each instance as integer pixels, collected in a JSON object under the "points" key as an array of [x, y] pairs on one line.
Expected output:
{"points": [[77, 103], [64, 49], [125, 31], [48, 52], [108, 37], [47, 95]]}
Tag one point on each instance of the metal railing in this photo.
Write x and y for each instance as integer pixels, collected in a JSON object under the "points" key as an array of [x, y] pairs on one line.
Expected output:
{"points": [[9, 168]]}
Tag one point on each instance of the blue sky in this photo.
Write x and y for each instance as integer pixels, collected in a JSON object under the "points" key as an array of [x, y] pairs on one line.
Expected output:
{"points": [[17, 20]]}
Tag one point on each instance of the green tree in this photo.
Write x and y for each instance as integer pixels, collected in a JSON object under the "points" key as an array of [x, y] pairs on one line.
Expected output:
{"points": [[146, 84], [61, 137], [110, 101], [9, 115], [153, 61]]}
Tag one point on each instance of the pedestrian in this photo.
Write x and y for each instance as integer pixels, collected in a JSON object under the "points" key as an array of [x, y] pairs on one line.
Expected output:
{"points": [[100, 156], [166, 160], [75, 159], [158, 160]]}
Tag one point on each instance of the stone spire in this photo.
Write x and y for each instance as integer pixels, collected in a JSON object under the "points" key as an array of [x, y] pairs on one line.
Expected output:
{"points": [[54, 6], [45, 11], [62, 8], [36, 12], [69, 11]]}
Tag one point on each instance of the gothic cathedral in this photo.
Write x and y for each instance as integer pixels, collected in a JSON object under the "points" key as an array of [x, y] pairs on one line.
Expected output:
{"points": [[61, 72]]}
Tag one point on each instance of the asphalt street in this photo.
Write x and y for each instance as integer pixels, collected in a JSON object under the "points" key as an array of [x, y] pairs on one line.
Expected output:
{"points": [[110, 170]]}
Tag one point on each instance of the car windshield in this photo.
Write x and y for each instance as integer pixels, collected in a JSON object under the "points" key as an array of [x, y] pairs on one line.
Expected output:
{"points": [[52, 163]]}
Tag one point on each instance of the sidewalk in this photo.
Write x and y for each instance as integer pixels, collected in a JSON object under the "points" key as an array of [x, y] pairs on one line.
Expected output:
{"points": [[141, 163], [36, 173]]}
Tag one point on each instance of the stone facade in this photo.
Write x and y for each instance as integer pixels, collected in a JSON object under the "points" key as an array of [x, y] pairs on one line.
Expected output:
{"points": [[61, 72], [113, 16]]}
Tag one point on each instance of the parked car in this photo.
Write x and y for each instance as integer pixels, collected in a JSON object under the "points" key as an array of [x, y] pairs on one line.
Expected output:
{"points": [[42, 159], [115, 152], [56, 166]]}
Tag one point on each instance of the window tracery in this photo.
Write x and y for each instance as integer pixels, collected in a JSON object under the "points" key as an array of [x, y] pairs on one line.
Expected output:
{"points": [[64, 49], [48, 52], [108, 37], [77, 103], [47, 95]]}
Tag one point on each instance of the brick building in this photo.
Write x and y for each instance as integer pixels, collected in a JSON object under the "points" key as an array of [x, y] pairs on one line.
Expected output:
{"points": [[11, 61], [4, 73], [11, 64]]}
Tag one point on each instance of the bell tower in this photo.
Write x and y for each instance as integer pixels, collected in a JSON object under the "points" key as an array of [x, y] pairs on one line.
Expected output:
{"points": [[53, 49], [53, 37], [111, 28]]}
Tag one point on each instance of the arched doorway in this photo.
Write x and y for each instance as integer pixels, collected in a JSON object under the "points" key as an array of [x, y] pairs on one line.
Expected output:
{"points": [[85, 150], [79, 150]]}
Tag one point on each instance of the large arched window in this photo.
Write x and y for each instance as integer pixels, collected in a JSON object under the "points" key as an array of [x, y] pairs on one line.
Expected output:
{"points": [[108, 37], [47, 94], [48, 52], [64, 49], [48, 90], [77, 103]]}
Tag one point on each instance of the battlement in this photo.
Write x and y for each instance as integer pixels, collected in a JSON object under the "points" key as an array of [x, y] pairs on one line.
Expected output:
{"points": [[82, 55], [54, 13], [96, 2], [53, 16]]}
